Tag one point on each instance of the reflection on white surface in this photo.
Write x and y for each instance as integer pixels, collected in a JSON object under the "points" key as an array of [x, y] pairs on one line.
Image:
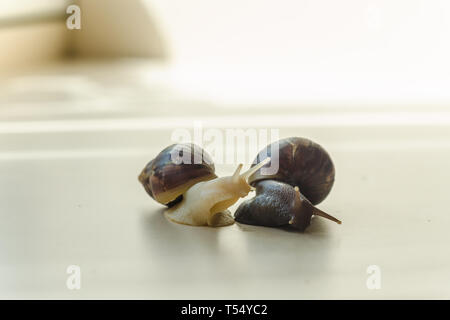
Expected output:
{"points": [[310, 51], [233, 247], [101, 153], [344, 119], [72, 154]]}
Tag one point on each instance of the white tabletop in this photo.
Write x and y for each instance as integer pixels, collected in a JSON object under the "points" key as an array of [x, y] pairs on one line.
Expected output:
{"points": [[70, 196]]}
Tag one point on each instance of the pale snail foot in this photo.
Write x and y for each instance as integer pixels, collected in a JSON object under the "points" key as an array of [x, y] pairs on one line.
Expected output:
{"points": [[219, 219]]}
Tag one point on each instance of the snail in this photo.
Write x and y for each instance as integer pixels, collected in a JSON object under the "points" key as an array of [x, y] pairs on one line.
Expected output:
{"points": [[194, 194], [165, 180], [288, 197]]}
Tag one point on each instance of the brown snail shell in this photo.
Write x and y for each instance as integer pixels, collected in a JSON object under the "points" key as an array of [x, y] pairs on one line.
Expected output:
{"points": [[303, 164], [304, 178], [166, 181]]}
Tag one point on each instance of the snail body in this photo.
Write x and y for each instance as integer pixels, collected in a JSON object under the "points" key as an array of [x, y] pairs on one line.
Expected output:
{"points": [[192, 191], [304, 178], [206, 203], [278, 204]]}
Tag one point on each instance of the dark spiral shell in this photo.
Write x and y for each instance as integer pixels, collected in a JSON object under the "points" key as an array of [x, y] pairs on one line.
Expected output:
{"points": [[302, 163], [166, 181]]}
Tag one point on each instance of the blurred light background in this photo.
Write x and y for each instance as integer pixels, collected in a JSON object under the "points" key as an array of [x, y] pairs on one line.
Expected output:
{"points": [[82, 111], [303, 52]]}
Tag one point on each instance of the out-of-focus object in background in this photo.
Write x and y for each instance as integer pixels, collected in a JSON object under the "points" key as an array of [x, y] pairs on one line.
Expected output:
{"points": [[32, 33]]}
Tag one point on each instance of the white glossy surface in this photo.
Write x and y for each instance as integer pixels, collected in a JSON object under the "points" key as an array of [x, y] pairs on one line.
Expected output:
{"points": [[73, 198]]}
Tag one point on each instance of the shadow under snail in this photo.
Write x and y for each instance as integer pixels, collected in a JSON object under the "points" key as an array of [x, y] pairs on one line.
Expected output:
{"points": [[190, 188], [288, 197]]}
